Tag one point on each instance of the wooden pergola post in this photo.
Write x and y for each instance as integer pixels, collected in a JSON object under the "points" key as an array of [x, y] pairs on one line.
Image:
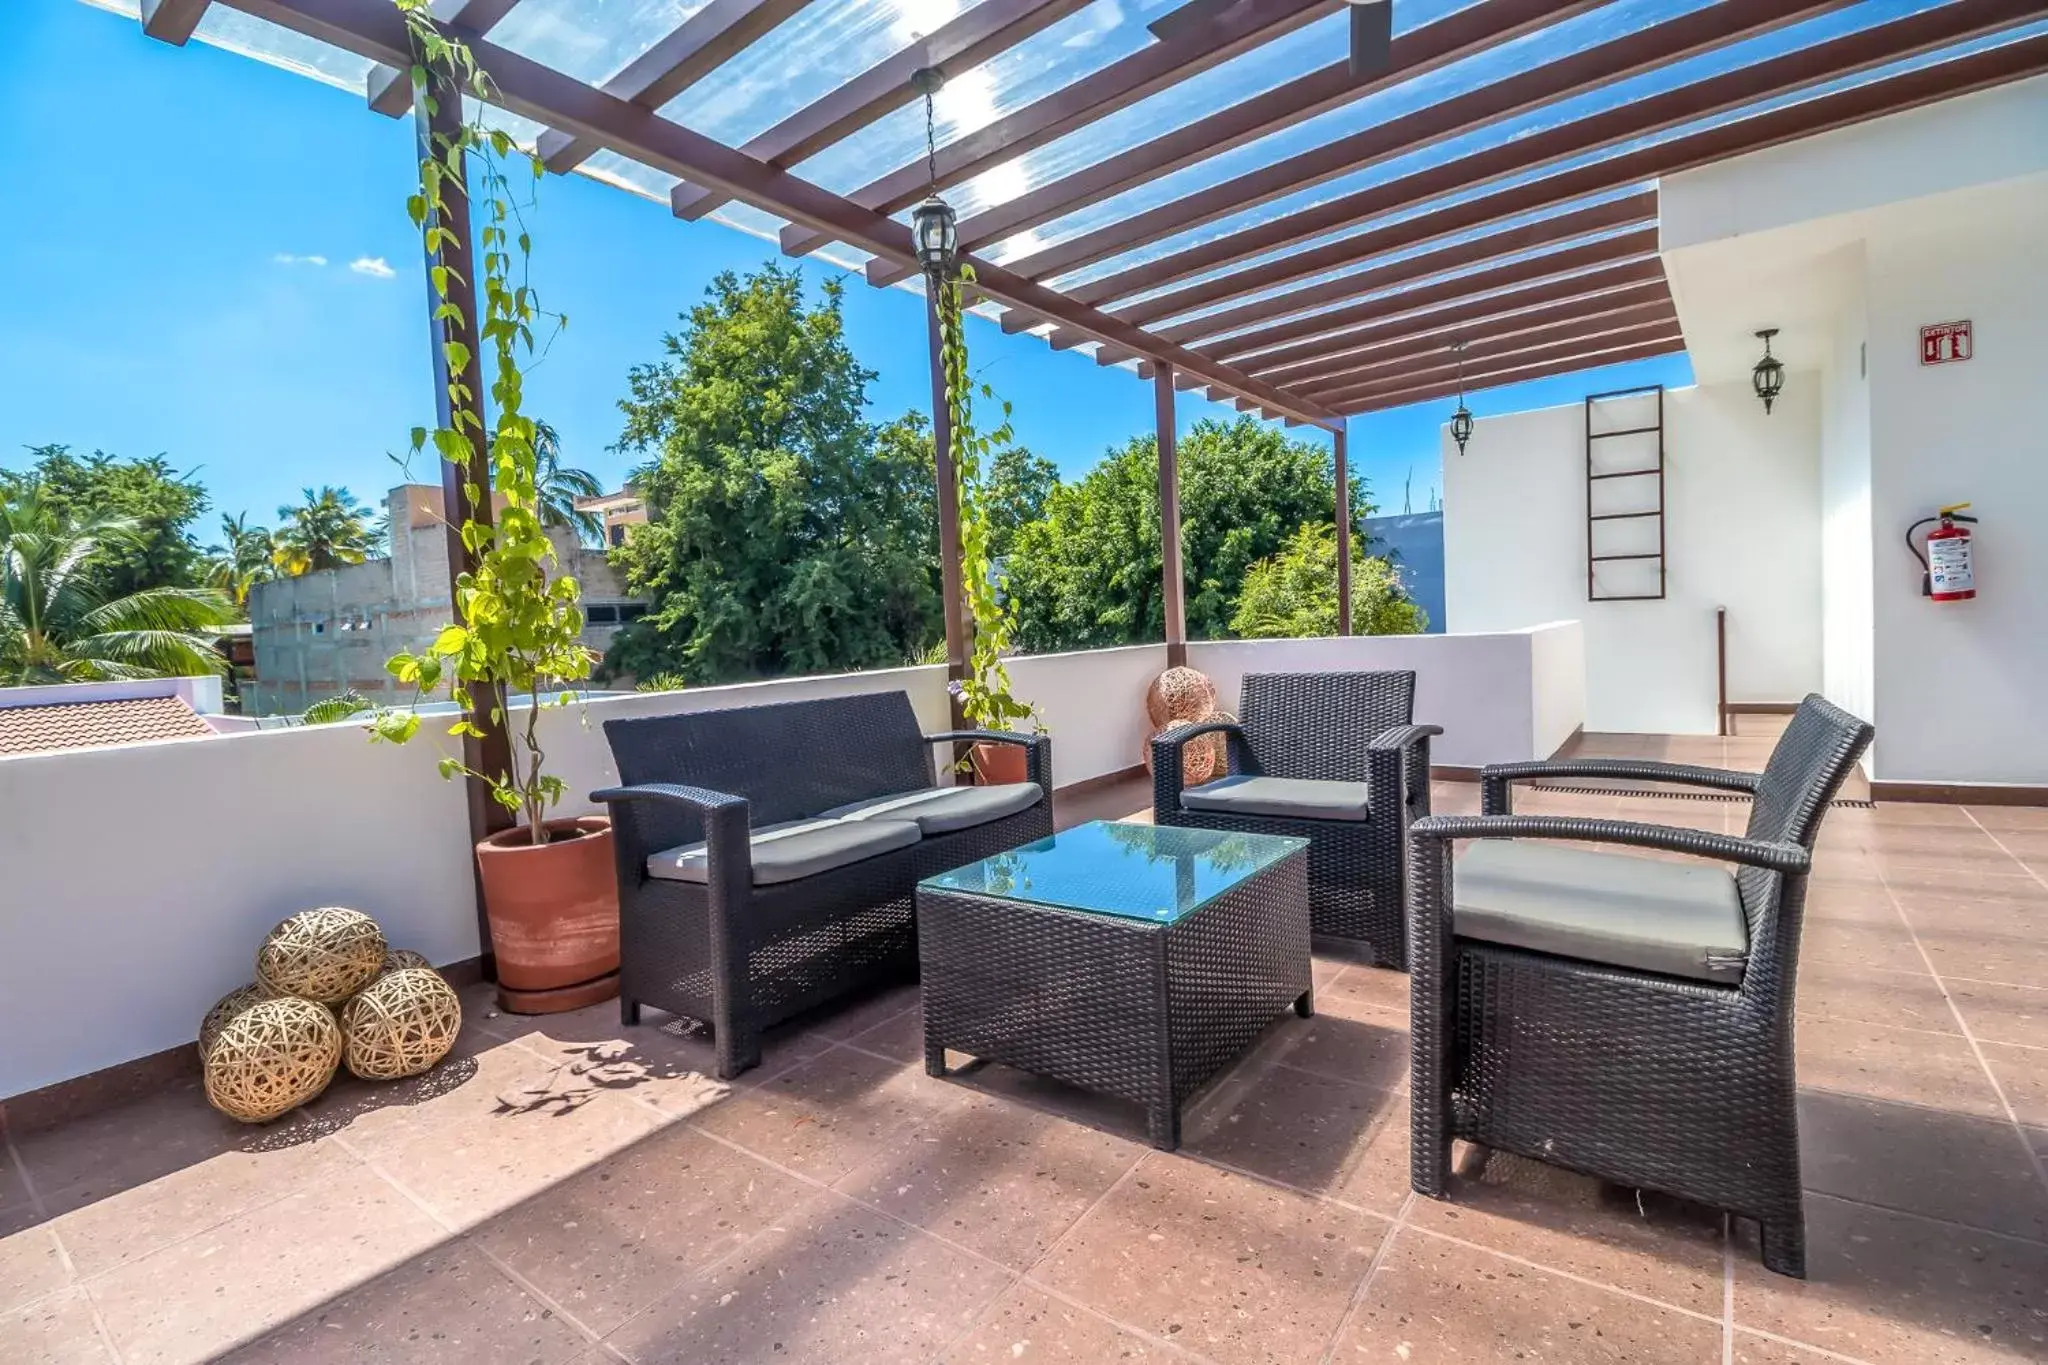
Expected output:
{"points": [[437, 114], [1343, 531], [1172, 579], [952, 597]]}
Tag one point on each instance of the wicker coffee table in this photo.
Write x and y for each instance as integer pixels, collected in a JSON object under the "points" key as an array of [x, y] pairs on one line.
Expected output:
{"points": [[1130, 960]]}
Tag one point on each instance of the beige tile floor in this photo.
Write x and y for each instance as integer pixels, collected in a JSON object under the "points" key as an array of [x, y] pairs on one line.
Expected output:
{"points": [[568, 1190]]}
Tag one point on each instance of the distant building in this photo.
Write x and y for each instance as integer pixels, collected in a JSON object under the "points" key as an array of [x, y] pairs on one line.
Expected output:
{"points": [[322, 634], [1415, 542], [95, 715], [619, 511]]}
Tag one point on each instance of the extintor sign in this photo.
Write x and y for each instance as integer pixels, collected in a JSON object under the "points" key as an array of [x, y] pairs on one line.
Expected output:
{"points": [[1945, 342]]}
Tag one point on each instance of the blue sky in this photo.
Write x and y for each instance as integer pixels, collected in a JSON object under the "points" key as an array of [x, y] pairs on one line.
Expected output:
{"points": [[209, 258]]}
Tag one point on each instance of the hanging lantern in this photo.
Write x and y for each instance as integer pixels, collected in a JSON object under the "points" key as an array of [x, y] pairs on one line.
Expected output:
{"points": [[1769, 374], [934, 227], [1461, 420]]}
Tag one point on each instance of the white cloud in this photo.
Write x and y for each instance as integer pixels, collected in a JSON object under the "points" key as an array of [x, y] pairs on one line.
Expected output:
{"points": [[376, 267], [286, 258]]}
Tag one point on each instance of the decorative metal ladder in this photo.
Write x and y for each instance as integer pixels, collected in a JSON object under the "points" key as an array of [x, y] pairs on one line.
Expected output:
{"points": [[1618, 522]]}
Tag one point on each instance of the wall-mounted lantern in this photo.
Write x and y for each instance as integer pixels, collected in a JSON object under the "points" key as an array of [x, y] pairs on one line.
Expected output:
{"points": [[1461, 420], [1769, 375], [934, 227]]}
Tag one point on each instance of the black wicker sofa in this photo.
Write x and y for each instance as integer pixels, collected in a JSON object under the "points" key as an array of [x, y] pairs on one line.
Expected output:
{"points": [[767, 855]]}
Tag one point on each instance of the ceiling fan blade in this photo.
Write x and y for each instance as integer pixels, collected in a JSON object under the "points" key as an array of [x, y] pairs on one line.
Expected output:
{"points": [[1372, 37]]}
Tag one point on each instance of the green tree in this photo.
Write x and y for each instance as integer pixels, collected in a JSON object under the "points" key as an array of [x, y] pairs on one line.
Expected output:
{"points": [[159, 503], [1019, 483], [245, 556], [1086, 574], [326, 530], [60, 621], [1294, 593], [786, 535]]}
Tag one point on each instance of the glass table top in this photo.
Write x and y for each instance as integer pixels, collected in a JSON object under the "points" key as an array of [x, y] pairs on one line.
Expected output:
{"points": [[1142, 872]]}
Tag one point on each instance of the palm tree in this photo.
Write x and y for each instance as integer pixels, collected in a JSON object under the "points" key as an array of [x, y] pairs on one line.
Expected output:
{"points": [[57, 626], [246, 556], [327, 530], [560, 485]]}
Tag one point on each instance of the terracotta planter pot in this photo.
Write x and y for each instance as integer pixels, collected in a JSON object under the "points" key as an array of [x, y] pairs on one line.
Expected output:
{"points": [[996, 764], [554, 912]]}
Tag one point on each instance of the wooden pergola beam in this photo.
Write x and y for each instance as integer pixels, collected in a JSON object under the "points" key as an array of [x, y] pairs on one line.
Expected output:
{"points": [[1122, 83], [172, 21], [1490, 252], [1529, 309], [960, 44], [1846, 55], [1583, 347], [1540, 279], [1460, 34], [372, 28], [1518, 374], [390, 87], [1633, 51], [1482, 347], [690, 52]]}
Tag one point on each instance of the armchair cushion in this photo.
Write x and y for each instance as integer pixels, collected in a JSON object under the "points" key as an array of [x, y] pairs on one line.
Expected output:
{"points": [[1297, 798], [792, 849], [1648, 914], [943, 810]]}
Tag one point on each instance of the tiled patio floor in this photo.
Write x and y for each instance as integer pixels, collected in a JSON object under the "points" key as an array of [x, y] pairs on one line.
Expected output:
{"points": [[565, 1190]]}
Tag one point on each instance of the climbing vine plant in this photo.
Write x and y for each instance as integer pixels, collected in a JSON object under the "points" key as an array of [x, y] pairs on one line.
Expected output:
{"points": [[518, 621], [985, 693]]}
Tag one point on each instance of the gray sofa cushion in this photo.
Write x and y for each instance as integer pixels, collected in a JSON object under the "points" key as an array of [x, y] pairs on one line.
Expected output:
{"points": [[942, 810], [1300, 798], [1650, 914], [792, 850]]}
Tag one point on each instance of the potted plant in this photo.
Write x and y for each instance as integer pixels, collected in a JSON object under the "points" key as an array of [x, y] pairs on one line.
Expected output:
{"points": [[984, 694], [548, 884]]}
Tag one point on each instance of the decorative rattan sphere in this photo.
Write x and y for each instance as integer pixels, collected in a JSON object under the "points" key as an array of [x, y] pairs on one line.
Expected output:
{"points": [[400, 1025], [325, 955], [1203, 758], [226, 1008], [271, 1058], [1179, 694], [398, 959]]}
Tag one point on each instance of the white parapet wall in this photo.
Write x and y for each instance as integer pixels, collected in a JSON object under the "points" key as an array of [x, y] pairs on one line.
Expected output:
{"points": [[139, 880], [1500, 696]]}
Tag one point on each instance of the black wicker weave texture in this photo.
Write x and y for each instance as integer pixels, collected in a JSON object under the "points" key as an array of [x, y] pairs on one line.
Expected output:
{"points": [[1643, 1080], [1347, 727], [1144, 1011], [740, 957]]}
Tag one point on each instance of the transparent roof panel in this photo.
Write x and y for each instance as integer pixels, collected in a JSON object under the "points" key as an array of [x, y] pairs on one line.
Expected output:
{"points": [[1472, 73], [1608, 97], [592, 40], [1075, 47], [235, 31]]}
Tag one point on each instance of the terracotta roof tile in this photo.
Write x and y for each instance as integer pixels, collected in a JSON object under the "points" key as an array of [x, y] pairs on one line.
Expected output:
{"points": [[91, 724]]}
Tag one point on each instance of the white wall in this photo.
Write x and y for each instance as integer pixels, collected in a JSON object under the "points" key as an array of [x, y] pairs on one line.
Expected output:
{"points": [[1959, 688], [1741, 501], [1846, 545], [1093, 705], [1500, 696]]}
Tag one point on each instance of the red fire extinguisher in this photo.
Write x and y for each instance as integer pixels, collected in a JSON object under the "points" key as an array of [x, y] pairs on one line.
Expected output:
{"points": [[1946, 570]]}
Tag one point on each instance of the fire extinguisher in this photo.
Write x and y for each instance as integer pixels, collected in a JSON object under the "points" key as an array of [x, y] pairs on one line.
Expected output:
{"points": [[1946, 574]]}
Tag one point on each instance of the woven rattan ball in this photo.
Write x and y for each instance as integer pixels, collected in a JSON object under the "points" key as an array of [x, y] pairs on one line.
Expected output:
{"points": [[398, 959], [1179, 694], [325, 955], [1203, 758], [400, 1025], [271, 1058], [226, 1008]]}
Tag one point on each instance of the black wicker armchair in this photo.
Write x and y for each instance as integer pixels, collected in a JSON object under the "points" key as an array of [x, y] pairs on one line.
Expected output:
{"points": [[1327, 757], [1627, 1017], [767, 855]]}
